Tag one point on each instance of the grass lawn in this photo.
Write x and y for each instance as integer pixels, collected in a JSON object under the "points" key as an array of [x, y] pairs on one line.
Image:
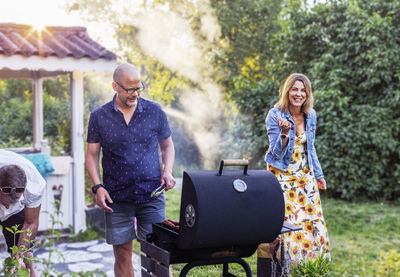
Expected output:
{"points": [[358, 233]]}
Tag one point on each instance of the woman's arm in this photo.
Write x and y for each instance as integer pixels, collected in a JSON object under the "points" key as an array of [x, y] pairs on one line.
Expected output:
{"points": [[277, 147], [319, 175]]}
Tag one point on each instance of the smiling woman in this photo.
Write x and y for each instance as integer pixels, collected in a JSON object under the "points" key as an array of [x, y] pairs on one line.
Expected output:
{"points": [[291, 156]]}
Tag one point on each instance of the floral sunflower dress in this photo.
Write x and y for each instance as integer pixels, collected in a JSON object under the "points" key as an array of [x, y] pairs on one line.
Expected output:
{"points": [[302, 207]]}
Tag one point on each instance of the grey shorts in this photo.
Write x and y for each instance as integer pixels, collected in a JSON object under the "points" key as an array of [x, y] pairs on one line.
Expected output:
{"points": [[120, 225]]}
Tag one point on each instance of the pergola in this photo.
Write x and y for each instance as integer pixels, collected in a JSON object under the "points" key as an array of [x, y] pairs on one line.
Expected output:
{"points": [[36, 55]]}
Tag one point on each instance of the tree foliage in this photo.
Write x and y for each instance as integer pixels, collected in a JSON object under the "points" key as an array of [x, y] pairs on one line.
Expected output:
{"points": [[347, 48], [247, 29], [161, 81]]}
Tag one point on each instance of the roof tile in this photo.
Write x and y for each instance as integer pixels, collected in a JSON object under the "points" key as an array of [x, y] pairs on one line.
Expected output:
{"points": [[52, 41]]}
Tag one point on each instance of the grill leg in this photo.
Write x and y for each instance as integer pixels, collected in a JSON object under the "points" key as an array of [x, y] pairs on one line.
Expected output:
{"points": [[224, 261], [188, 267], [245, 266], [225, 269]]}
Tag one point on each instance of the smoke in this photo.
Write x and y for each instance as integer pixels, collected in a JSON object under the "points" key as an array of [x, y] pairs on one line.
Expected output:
{"points": [[167, 36], [201, 117]]}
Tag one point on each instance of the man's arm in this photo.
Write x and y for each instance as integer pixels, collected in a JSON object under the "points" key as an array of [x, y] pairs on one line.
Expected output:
{"points": [[29, 229], [93, 168], [168, 159], [31, 223], [92, 162]]}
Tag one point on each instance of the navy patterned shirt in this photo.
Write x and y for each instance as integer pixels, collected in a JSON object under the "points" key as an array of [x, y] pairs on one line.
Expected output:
{"points": [[131, 163]]}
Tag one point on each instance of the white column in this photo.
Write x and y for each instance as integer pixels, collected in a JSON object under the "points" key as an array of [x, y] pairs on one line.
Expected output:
{"points": [[77, 147], [37, 112]]}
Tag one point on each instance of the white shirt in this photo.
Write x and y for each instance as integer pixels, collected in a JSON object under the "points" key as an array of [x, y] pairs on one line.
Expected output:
{"points": [[35, 184]]}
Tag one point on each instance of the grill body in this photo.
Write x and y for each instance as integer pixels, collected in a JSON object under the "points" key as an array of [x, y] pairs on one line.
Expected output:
{"points": [[231, 209], [168, 240]]}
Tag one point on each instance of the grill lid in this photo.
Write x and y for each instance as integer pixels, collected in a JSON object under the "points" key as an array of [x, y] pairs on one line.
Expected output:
{"points": [[232, 208]]}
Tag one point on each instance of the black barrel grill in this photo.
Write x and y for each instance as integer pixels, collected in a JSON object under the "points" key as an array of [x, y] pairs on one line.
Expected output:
{"points": [[224, 215]]}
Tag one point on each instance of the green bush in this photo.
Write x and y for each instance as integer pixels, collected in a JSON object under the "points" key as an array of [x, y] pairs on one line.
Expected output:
{"points": [[357, 145], [347, 48], [248, 136], [320, 267], [387, 265]]}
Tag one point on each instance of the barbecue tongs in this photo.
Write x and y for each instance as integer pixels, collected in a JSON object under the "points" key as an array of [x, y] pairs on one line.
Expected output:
{"points": [[157, 191]]}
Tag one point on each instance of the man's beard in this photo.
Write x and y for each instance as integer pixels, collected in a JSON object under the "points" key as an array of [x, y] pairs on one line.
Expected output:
{"points": [[131, 105], [12, 197]]}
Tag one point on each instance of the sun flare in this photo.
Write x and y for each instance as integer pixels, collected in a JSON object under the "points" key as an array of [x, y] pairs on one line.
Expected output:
{"points": [[39, 27]]}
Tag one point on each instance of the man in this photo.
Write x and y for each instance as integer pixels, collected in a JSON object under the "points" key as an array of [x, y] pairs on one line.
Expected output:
{"points": [[129, 130], [21, 191]]}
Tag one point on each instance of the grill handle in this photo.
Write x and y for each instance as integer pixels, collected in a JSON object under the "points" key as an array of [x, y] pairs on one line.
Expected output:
{"points": [[223, 163]]}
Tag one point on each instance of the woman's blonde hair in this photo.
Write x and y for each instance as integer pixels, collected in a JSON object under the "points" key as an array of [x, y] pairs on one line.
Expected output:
{"points": [[283, 102]]}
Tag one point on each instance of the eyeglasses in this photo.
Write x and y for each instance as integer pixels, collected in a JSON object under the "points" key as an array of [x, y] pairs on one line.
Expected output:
{"points": [[8, 190], [132, 90]]}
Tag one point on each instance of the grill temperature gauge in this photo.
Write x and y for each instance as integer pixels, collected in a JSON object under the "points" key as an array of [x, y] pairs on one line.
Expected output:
{"points": [[239, 185]]}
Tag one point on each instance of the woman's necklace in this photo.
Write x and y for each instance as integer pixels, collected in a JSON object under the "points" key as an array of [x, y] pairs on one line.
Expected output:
{"points": [[295, 116]]}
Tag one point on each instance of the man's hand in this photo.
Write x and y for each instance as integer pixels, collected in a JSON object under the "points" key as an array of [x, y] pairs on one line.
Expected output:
{"points": [[101, 197], [168, 180], [321, 183], [20, 265]]}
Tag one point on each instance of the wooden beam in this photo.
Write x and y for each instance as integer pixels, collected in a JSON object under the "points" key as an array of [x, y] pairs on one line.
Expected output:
{"points": [[155, 252], [151, 265], [37, 112], [52, 63], [77, 148], [28, 74]]}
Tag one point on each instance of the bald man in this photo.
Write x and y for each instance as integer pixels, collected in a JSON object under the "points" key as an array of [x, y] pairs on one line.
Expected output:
{"points": [[129, 130]]}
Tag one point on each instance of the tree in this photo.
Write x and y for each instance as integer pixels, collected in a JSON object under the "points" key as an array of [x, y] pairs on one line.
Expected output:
{"points": [[125, 19], [347, 50], [247, 29]]}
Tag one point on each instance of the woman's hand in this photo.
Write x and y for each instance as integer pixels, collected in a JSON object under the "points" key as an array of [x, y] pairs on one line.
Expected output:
{"points": [[321, 183], [284, 125]]}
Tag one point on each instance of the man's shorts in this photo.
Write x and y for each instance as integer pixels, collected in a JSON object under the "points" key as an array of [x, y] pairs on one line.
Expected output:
{"points": [[120, 225], [15, 219]]}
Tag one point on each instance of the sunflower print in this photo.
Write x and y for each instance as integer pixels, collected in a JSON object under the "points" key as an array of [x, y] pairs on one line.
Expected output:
{"points": [[291, 195], [275, 172], [311, 256], [310, 209], [302, 182], [321, 240], [309, 227], [301, 200], [302, 207], [296, 156], [289, 209], [298, 237], [318, 201], [306, 245], [292, 179], [295, 250]]}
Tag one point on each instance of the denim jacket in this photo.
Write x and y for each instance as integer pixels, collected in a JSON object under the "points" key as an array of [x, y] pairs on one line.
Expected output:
{"points": [[280, 158]]}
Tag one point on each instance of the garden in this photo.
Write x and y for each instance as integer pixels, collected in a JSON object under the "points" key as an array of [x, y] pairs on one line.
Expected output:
{"points": [[226, 61]]}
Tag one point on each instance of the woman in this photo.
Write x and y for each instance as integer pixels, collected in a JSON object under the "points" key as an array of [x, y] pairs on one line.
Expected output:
{"points": [[292, 158]]}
